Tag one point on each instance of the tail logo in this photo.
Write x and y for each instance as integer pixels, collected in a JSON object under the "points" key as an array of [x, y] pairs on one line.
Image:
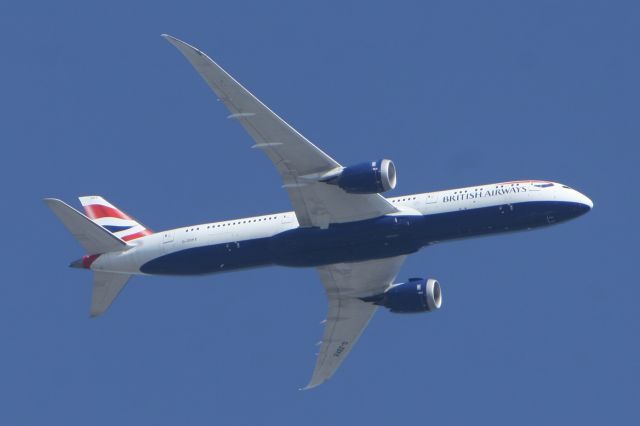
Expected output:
{"points": [[113, 219]]}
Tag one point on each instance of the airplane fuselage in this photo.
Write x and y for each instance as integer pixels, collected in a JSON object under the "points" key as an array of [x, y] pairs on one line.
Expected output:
{"points": [[277, 239]]}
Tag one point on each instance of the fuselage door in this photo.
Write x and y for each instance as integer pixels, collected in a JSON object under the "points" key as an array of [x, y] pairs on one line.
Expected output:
{"points": [[287, 218], [167, 241]]}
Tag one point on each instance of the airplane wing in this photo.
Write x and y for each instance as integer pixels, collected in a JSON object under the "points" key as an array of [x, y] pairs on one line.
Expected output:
{"points": [[299, 162], [348, 316]]}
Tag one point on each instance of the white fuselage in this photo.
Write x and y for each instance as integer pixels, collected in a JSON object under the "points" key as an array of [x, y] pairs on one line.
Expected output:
{"points": [[227, 239]]}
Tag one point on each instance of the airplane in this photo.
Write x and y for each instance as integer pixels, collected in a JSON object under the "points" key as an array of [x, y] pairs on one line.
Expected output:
{"points": [[340, 224]]}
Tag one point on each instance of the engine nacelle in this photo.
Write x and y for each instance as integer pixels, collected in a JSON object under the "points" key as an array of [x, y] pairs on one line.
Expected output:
{"points": [[367, 178], [416, 295]]}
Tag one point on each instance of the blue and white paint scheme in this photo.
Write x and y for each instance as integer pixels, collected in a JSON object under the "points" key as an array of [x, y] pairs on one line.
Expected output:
{"points": [[340, 224]]}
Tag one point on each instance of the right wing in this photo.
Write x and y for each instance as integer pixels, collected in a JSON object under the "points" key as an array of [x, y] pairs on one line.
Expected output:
{"points": [[348, 316], [299, 162]]}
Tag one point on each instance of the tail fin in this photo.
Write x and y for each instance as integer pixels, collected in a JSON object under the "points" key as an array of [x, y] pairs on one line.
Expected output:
{"points": [[91, 236], [113, 219]]}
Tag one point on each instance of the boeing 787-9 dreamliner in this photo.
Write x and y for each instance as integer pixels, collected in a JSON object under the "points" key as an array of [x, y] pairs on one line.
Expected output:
{"points": [[340, 224]]}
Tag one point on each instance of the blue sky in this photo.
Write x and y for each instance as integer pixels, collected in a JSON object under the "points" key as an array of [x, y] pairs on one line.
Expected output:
{"points": [[537, 328]]}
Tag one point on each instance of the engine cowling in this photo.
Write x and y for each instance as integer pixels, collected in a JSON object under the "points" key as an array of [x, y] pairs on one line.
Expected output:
{"points": [[416, 295], [367, 178]]}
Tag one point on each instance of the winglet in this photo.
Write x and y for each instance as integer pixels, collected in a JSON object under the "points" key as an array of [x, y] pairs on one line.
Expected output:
{"points": [[310, 386], [168, 37], [181, 44]]}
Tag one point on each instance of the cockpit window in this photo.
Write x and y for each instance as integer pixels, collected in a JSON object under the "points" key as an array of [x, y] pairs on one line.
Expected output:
{"points": [[543, 185], [565, 186]]}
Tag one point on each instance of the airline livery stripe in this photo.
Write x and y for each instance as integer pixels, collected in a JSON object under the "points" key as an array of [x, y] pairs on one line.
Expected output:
{"points": [[97, 211], [137, 235], [114, 221], [520, 181], [95, 200], [113, 228]]}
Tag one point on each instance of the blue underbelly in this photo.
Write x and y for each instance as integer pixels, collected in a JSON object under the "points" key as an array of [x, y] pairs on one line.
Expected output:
{"points": [[358, 241]]}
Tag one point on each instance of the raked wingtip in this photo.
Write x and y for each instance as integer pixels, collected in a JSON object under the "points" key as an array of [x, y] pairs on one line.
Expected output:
{"points": [[171, 39], [309, 386]]}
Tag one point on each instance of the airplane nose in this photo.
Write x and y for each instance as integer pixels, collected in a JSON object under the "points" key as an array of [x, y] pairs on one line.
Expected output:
{"points": [[588, 202], [585, 202]]}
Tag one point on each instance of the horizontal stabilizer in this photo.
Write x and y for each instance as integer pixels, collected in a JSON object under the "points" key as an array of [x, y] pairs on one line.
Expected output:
{"points": [[106, 287], [93, 237]]}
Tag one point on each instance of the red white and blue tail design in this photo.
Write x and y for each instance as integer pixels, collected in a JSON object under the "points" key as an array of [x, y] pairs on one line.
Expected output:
{"points": [[113, 219]]}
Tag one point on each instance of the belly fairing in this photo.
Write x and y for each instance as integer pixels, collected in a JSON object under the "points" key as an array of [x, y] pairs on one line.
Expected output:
{"points": [[377, 238]]}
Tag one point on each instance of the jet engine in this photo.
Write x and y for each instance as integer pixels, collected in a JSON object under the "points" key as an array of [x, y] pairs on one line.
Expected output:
{"points": [[416, 295], [366, 178]]}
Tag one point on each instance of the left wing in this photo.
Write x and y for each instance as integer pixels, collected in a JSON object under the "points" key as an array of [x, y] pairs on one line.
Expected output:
{"points": [[345, 284], [299, 162]]}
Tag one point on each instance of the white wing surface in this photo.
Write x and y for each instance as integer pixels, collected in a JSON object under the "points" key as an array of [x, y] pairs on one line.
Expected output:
{"points": [[348, 316], [299, 162]]}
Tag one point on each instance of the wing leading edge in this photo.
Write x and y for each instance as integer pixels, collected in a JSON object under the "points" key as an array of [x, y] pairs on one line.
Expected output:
{"points": [[348, 316], [301, 165], [298, 161]]}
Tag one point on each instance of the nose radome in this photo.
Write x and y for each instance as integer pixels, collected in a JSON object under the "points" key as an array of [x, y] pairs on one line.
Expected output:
{"points": [[588, 202], [583, 199]]}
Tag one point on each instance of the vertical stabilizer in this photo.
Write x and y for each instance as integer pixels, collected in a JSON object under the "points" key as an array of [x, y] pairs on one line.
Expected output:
{"points": [[113, 219]]}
